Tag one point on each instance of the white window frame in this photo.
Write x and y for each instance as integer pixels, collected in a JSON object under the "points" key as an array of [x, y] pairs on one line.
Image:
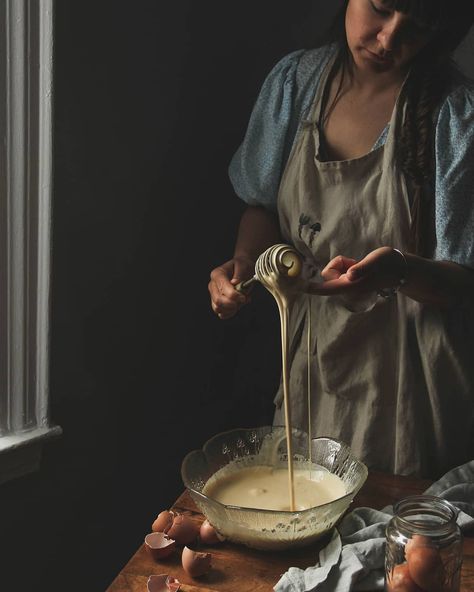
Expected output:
{"points": [[26, 84]]}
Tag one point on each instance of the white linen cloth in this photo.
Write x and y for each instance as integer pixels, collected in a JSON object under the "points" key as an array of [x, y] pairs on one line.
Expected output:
{"points": [[354, 557]]}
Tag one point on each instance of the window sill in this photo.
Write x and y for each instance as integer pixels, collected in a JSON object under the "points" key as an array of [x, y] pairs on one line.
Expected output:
{"points": [[20, 454]]}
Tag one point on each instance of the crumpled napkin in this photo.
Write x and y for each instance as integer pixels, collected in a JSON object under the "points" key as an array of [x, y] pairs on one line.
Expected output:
{"points": [[354, 557]]}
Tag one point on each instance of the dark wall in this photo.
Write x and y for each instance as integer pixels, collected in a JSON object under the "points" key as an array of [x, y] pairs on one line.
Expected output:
{"points": [[151, 100]]}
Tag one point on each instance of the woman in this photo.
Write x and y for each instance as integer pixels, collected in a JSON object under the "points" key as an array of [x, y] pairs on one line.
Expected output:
{"points": [[361, 155]]}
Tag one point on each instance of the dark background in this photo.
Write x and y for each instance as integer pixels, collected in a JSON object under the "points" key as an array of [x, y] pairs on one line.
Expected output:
{"points": [[151, 100]]}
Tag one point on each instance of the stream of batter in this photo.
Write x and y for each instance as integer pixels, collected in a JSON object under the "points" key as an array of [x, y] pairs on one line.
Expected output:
{"points": [[261, 486]]}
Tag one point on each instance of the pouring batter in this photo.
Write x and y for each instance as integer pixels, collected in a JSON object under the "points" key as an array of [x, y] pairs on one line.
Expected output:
{"points": [[279, 270], [359, 153]]}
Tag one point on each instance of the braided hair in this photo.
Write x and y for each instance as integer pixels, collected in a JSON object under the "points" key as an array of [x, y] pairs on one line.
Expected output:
{"points": [[431, 77]]}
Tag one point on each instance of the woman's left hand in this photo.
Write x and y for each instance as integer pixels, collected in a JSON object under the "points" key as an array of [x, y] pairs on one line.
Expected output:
{"points": [[380, 269]]}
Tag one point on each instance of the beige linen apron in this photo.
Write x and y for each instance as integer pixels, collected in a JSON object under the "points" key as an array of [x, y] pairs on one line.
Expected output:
{"points": [[390, 377]]}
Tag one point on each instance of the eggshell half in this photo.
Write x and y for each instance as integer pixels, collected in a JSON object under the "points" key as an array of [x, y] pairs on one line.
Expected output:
{"points": [[194, 563], [162, 583], [159, 545]]}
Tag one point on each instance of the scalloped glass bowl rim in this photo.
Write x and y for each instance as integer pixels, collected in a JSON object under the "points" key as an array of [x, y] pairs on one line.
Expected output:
{"points": [[352, 493]]}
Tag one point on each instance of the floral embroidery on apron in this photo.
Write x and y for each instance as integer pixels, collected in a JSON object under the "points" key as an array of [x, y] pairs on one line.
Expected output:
{"points": [[313, 227]]}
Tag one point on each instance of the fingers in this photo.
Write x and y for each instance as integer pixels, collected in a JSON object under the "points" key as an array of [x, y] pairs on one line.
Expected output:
{"points": [[225, 299], [224, 305], [380, 269], [340, 285], [341, 279], [337, 267], [367, 266], [383, 264]]}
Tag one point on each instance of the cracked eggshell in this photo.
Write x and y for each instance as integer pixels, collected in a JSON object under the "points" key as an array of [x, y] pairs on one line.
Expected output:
{"points": [[163, 521], [173, 584], [159, 545], [209, 535], [163, 583], [194, 563], [183, 530]]}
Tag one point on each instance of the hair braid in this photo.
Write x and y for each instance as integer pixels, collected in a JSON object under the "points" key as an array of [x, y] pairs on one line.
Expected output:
{"points": [[427, 83]]}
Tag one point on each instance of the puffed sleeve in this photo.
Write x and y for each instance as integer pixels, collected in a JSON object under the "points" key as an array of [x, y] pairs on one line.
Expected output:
{"points": [[454, 145], [256, 167]]}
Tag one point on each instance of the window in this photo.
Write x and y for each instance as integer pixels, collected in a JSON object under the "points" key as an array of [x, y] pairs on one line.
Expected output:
{"points": [[25, 223]]}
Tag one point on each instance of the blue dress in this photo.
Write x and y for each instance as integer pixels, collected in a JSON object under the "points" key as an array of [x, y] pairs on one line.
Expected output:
{"points": [[284, 100]]}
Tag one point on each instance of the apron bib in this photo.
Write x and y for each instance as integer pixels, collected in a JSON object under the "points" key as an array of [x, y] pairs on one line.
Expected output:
{"points": [[386, 374]]}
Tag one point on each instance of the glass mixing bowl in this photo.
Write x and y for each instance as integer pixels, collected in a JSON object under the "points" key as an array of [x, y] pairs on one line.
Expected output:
{"points": [[270, 529]]}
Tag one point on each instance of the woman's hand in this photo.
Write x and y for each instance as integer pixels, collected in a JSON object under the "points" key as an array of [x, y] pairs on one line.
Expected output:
{"points": [[380, 269], [258, 230], [225, 299], [439, 283]]}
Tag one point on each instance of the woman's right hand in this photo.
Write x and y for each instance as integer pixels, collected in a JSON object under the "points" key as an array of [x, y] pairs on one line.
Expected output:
{"points": [[225, 299]]}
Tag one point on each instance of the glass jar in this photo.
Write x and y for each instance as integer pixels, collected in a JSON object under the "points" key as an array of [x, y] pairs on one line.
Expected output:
{"points": [[424, 546]]}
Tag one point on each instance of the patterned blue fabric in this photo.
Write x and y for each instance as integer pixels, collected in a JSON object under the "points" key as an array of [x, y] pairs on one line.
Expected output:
{"points": [[285, 97]]}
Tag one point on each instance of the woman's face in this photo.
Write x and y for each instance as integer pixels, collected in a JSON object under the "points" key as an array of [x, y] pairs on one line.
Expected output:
{"points": [[381, 39]]}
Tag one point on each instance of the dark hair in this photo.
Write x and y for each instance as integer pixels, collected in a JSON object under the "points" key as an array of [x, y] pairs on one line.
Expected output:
{"points": [[431, 77]]}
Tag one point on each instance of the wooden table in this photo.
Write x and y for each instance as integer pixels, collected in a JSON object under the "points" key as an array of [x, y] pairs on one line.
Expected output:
{"points": [[239, 569]]}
